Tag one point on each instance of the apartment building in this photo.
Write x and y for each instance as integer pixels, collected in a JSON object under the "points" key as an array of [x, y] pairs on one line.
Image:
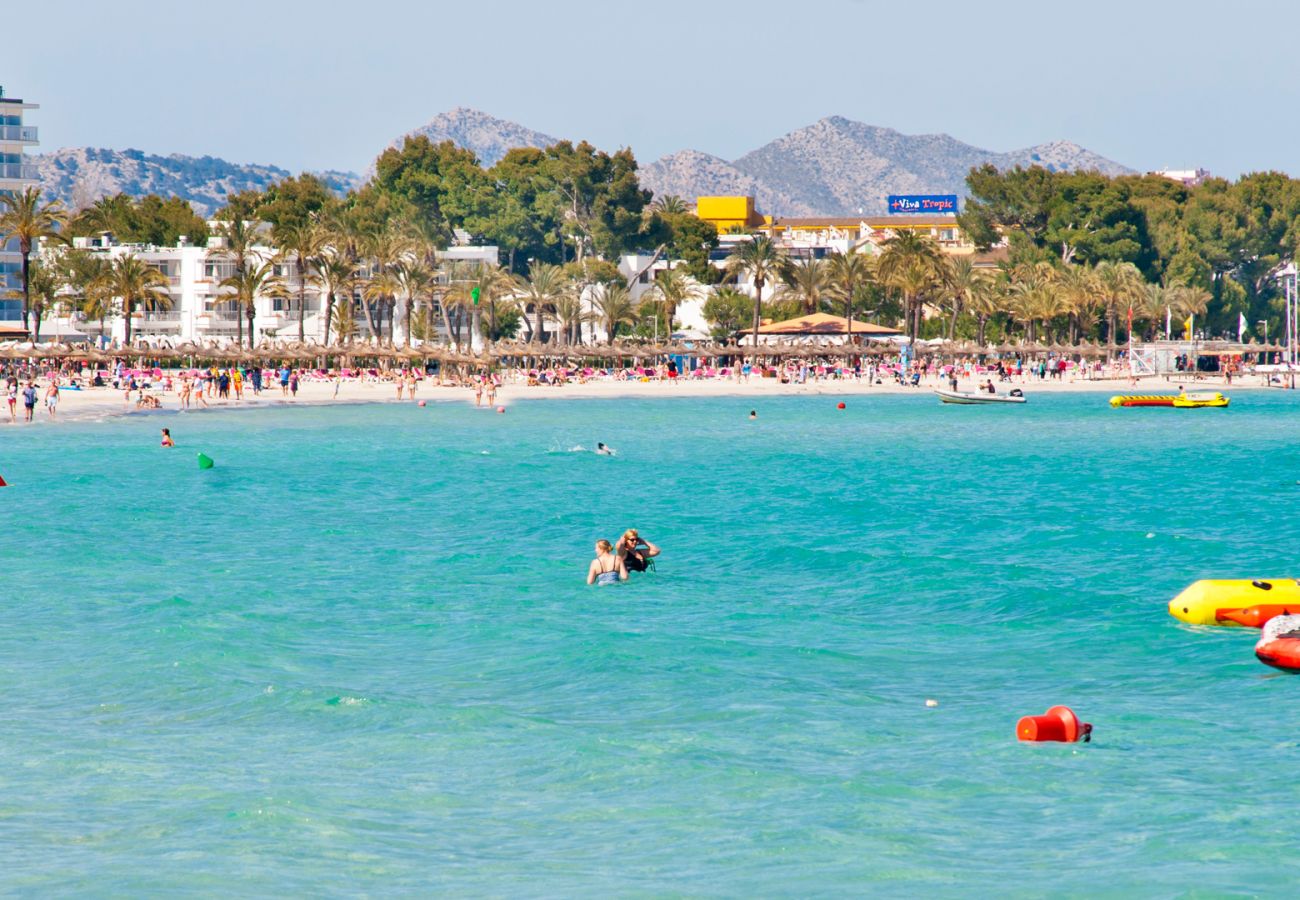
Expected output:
{"points": [[16, 175]]}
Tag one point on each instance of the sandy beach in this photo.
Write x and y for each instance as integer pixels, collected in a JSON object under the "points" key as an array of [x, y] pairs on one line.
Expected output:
{"points": [[104, 402]]}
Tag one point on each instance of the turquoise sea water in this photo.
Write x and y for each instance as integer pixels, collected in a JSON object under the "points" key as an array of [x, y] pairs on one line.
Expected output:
{"points": [[358, 656]]}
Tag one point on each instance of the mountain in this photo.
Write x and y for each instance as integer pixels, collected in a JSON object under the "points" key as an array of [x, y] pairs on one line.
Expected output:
{"points": [[488, 136], [832, 167], [837, 166], [81, 175]]}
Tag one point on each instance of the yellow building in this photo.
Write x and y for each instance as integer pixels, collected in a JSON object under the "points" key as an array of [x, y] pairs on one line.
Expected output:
{"points": [[729, 213]]}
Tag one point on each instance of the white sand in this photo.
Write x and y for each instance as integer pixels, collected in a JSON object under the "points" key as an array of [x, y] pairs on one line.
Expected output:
{"points": [[98, 403]]}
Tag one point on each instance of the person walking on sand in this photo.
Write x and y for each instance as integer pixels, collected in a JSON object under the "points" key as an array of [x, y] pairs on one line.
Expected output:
{"points": [[478, 391], [52, 397], [284, 381], [11, 393], [401, 384], [29, 400], [293, 385]]}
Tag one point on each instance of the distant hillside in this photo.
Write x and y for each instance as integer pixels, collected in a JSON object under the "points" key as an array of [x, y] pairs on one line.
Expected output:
{"points": [[489, 137], [832, 167], [81, 175]]}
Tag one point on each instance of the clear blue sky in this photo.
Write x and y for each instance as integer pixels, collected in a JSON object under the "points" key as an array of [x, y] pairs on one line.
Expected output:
{"points": [[289, 82]]}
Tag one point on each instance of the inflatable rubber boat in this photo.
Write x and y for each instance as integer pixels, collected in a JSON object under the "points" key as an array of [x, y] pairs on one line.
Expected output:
{"points": [[1226, 601], [972, 397], [1279, 644]]}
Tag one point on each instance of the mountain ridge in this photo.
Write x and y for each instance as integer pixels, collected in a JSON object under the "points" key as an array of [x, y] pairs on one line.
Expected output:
{"points": [[834, 166]]}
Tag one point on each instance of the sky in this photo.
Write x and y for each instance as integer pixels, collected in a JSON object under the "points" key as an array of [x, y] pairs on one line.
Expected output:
{"points": [[327, 84]]}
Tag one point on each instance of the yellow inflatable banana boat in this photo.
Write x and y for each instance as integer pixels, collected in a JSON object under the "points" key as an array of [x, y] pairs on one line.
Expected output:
{"points": [[1201, 400], [1209, 602]]}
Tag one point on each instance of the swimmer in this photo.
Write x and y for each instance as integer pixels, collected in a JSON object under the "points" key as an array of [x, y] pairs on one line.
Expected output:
{"points": [[603, 450], [606, 568], [753, 414], [631, 554], [167, 438]]}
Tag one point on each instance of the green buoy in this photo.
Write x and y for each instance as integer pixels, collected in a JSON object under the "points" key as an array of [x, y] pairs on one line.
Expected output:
{"points": [[205, 461]]}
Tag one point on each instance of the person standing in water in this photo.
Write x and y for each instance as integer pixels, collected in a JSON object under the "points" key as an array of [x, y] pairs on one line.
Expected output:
{"points": [[167, 438], [606, 568], [635, 552]]}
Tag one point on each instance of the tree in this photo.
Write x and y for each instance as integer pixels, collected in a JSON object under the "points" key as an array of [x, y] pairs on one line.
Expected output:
{"points": [[761, 260], [725, 311], [237, 238], [669, 205], [295, 202], [542, 289], [133, 282], [151, 219], [671, 288], [850, 274], [615, 307], [1121, 286], [258, 279], [413, 280], [963, 284], [441, 182], [84, 276], [24, 218], [807, 283], [44, 284], [302, 240], [491, 283], [336, 275], [910, 263], [569, 312]]}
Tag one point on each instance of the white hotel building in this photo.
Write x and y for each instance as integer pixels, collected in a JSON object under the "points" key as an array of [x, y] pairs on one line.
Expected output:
{"points": [[16, 175], [199, 312]]}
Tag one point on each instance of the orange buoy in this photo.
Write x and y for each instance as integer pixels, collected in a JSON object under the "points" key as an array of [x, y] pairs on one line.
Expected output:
{"points": [[840, 405], [1256, 616], [1057, 724]]}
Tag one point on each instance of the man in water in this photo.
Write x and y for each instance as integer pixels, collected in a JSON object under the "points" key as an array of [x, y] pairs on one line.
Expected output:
{"points": [[753, 414], [603, 450], [635, 551]]}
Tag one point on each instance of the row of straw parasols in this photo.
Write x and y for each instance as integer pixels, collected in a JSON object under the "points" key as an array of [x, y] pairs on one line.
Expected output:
{"points": [[533, 353]]}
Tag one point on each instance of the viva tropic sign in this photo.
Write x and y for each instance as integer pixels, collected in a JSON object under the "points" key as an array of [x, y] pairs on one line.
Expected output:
{"points": [[923, 203]]}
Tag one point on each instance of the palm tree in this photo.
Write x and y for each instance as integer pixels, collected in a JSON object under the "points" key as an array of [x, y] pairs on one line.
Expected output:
{"points": [[850, 273], [1082, 291], [672, 288], [544, 285], [964, 284], [23, 217], [1122, 285], [84, 274], [910, 264], [761, 260], [669, 204], [615, 308], [303, 242], [258, 280], [1152, 306], [237, 240], [492, 283], [131, 281], [385, 246], [570, 313], [43, 285], [986, 303], [336, 275], [414, 279], [807, 283]]}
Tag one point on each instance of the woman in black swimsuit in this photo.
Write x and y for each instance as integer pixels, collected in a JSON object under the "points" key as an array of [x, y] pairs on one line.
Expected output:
{"points": [[631, 552]]}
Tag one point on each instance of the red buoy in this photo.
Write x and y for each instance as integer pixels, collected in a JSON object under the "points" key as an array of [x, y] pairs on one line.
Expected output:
{"points": [[1058, 724], [501, 409], [3, 483], [841, 405], [421, 403]]}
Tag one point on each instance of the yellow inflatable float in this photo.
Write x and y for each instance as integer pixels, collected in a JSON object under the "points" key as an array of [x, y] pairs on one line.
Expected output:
{"points": [[1220, 601], [1200, 400]]}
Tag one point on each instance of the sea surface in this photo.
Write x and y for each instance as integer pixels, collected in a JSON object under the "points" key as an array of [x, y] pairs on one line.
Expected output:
{"points": [[358, 656]]}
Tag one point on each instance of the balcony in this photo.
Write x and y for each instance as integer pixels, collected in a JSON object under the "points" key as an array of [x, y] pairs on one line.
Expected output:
{"points": [[18, 134], [21, 171]]}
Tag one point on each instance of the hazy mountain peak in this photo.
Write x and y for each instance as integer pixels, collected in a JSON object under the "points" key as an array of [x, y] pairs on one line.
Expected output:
{"points": [[487, 136]]}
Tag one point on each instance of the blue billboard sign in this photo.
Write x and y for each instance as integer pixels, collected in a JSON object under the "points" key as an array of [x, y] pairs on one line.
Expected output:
{"points": [[922, 203]]}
